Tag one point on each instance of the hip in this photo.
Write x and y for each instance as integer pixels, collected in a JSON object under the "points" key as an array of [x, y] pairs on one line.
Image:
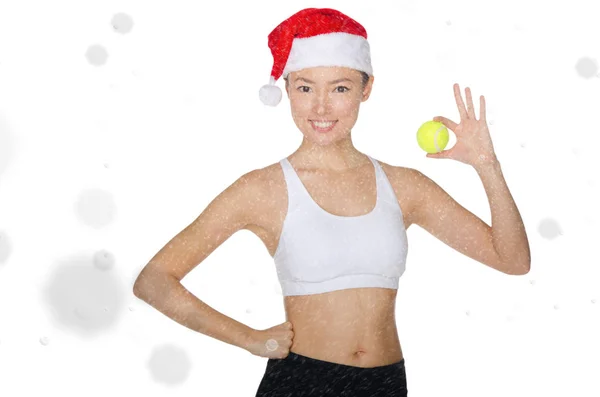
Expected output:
{"points": [[301, 375]]}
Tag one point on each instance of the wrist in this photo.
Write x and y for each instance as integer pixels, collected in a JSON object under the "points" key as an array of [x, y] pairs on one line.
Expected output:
{"points": [[486, 164], [248, 338]]}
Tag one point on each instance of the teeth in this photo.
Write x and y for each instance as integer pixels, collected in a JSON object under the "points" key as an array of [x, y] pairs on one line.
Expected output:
{"points": [[323, 125]]}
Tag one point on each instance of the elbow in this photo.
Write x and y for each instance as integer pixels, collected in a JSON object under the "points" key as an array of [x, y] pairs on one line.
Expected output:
{"points": [[524, 267], [516, 266], [148, 284], [519, 270], [141, 286], [138, 289], [524, 271]]}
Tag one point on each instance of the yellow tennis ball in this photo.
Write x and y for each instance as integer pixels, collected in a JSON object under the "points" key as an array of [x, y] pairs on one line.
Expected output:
{"points": [[432, 136]]}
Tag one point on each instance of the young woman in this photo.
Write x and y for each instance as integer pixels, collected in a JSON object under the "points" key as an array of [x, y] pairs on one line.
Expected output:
{"points": [[334, 220]]}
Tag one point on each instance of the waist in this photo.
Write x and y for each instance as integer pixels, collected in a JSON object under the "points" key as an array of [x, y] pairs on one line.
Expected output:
{"points": [[377, 349], [352, 326]]}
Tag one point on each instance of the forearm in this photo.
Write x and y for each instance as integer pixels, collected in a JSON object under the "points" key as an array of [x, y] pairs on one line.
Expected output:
{"points": [[170, 297], [508, 231]]}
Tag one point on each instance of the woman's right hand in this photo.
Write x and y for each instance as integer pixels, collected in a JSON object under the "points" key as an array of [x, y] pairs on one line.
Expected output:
{"points": [[272, 342]]}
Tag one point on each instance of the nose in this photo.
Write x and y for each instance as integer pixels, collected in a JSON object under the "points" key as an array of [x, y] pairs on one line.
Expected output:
{"points": [[322, 103]]}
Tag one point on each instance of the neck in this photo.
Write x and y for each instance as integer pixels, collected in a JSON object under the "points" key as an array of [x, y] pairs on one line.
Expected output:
{"points": [[338, 156]]}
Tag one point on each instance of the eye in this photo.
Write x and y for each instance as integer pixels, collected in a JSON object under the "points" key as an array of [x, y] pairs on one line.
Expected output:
{"points": [[339, 86]]}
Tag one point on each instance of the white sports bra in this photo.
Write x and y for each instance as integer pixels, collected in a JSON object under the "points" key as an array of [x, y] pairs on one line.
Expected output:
{"points": [[321, 252]]}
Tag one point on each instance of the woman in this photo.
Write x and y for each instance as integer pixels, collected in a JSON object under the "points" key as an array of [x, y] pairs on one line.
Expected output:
{"points": [[334, 220]]}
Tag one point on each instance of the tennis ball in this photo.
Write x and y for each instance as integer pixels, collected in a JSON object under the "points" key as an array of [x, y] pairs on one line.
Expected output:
{"points": [[432, 136]]}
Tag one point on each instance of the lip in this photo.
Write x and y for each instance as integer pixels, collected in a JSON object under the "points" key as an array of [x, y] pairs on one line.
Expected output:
{"points": [[322, 129]]}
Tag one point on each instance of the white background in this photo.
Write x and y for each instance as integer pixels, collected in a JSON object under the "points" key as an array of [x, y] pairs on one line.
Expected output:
{"points": [[120, 121]]}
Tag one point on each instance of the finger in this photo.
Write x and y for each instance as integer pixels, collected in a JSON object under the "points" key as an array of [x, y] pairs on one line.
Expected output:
{"points": [[435, 156], [481, 108], [470, 107], [448, 123], [460, 103], [438, 155]]}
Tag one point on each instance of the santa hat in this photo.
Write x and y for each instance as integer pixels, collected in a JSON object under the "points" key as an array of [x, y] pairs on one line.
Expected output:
{"points": [[315, 37]]}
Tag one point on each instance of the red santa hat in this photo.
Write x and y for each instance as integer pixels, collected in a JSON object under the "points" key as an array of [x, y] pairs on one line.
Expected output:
{"points": [[315, 37]]}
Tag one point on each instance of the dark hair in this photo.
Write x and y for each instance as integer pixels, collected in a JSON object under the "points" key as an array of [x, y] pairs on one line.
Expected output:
{"points": [[365, 79]]}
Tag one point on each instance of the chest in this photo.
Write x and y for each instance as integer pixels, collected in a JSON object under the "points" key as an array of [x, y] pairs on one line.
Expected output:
{"points": [[344, 196]]}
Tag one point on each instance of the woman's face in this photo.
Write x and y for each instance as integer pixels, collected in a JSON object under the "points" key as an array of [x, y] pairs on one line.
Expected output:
{"points": [[326, 94]]}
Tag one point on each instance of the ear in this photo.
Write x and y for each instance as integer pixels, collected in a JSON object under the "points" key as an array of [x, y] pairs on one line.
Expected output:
{"points": [[368, 88]]}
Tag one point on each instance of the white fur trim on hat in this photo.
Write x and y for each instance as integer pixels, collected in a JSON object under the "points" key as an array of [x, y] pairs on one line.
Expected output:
{"points": [[331, 49]]}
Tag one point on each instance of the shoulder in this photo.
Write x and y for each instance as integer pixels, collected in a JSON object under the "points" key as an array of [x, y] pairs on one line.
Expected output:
{"points": [[264, 179], [256, 182], [405, 182], [238, 200], [418, 189], [260, 186], [246, 194], [401, 178]]}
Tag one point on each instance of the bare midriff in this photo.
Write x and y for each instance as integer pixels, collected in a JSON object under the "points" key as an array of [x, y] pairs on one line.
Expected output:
{"points": [[354, 327]]}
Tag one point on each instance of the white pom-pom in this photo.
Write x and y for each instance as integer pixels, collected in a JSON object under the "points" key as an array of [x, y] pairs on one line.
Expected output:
{"points": [[270, 94]]}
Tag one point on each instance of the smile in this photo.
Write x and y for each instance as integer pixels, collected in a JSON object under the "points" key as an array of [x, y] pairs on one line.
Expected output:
{"points": [[323, 126]]}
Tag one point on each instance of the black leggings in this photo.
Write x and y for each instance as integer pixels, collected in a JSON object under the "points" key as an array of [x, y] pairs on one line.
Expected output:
{"points": [[301, 376]]}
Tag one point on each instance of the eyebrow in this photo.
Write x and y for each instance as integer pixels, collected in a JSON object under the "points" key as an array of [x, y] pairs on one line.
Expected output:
{"points": [[331, 82]]}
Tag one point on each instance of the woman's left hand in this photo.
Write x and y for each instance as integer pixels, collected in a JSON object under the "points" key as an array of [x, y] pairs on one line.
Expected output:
{"points": [[473, 142]]}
